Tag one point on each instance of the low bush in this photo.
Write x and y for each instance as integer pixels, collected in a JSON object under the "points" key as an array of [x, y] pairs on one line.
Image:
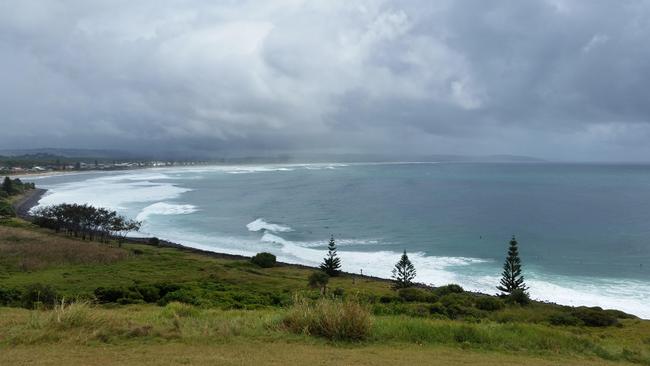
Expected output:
{"points": [[448, 289], [9, 297], [38, 295], [412, 294], [338, 292], [518, 296], [594, 317], [318, 280], [264, 260], [6, 210], [184, 295], [115, 294], [438, 308], [458, 305], [149, 294], [489, 303], [619, 314], [384, 299], [166, 287], [565, 319], [332, 319]]}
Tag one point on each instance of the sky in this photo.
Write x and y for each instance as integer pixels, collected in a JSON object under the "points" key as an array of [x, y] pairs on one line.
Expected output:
{"points": [[553, 79]]}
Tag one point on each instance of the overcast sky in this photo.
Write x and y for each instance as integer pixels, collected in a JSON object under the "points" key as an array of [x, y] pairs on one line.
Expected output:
{"points": [[555, 79]]}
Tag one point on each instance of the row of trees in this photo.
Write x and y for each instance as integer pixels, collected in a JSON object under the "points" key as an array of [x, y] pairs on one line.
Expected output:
{"points": [[512, 279], [85, 221]]}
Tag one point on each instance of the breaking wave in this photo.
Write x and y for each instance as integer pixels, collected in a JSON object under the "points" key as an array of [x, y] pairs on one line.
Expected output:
{"points": [[164, 208], [260, 224]]}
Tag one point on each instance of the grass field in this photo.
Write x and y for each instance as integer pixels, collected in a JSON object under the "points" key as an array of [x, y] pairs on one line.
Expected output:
{"points": [[231, 312]]}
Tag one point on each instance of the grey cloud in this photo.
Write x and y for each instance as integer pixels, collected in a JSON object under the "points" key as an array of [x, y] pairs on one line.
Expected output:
{"points": [[556, 79]]}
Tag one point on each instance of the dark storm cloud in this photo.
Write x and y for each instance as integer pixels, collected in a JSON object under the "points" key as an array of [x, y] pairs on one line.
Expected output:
{"points": [[556, 79]]}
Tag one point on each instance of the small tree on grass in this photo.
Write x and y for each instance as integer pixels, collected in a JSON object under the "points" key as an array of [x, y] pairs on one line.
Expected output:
{"points": [[512, 279], [319, 280], [8, 186], [404, 272], [121, 227], [332, 263], [264, 260]]}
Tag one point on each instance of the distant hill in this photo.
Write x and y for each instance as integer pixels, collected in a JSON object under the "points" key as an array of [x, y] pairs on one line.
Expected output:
{"points": [[100, 154]]}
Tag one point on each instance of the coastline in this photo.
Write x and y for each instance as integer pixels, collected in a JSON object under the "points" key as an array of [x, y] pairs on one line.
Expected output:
{"points": [[31, 199], [27, 202]]}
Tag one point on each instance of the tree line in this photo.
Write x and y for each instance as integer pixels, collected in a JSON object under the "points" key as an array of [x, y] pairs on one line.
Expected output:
{"points": [[404, 273], [85, 221]]}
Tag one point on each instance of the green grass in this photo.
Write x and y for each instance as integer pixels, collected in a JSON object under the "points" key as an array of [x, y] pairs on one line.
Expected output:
{"points": [[237, 303]]}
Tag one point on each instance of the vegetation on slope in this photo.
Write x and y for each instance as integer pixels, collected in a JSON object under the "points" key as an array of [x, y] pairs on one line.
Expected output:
{"points": [[144, 296]]}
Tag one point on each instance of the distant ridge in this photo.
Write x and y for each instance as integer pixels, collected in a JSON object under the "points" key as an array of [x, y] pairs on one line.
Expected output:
{"points": [[269, 159]]}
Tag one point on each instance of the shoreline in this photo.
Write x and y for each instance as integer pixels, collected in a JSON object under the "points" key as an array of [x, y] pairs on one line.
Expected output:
{"points": [[31, 199]]}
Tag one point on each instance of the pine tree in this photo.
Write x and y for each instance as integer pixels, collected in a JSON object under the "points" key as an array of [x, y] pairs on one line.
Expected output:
{"points": [[404, 272], [8, 186], [331, 263], [512, 278]]}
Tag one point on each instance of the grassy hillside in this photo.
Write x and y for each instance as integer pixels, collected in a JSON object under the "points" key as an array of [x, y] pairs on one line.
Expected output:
{"points": [[142, 304]]}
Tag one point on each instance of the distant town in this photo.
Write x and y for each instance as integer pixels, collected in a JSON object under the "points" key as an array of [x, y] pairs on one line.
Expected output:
{"points": [[44, 163]]}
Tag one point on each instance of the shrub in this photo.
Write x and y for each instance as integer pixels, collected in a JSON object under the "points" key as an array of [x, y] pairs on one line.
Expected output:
{"points": [[165, 288], [6, 210], [456, 299], [384, 299], [594, 317], [456, 305], [338, 292], [412, 294], [518, 296], [264, 260], [154, 241], [319, 279], [148, 293], [37, 295], [564, 319], [111, 294], [619, 314], [9, 297], [489, 303], [437, 308], [186, 296], [448, 289], [332, 319]]}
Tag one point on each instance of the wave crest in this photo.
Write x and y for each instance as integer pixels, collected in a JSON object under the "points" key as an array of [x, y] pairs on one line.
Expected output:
{"points": [[260, 224], [164, 208]]}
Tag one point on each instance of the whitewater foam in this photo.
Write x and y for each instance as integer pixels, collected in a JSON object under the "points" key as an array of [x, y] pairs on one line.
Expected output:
{"points": [[114, 192], [260, 224], [164, 208]]}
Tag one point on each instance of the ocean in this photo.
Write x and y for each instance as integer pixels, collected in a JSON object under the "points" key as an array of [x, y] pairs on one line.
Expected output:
{"points": [[583, 229]]}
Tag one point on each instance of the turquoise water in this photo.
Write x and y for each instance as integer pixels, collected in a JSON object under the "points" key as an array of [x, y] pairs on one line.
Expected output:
{"points": [[584, 229]]}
